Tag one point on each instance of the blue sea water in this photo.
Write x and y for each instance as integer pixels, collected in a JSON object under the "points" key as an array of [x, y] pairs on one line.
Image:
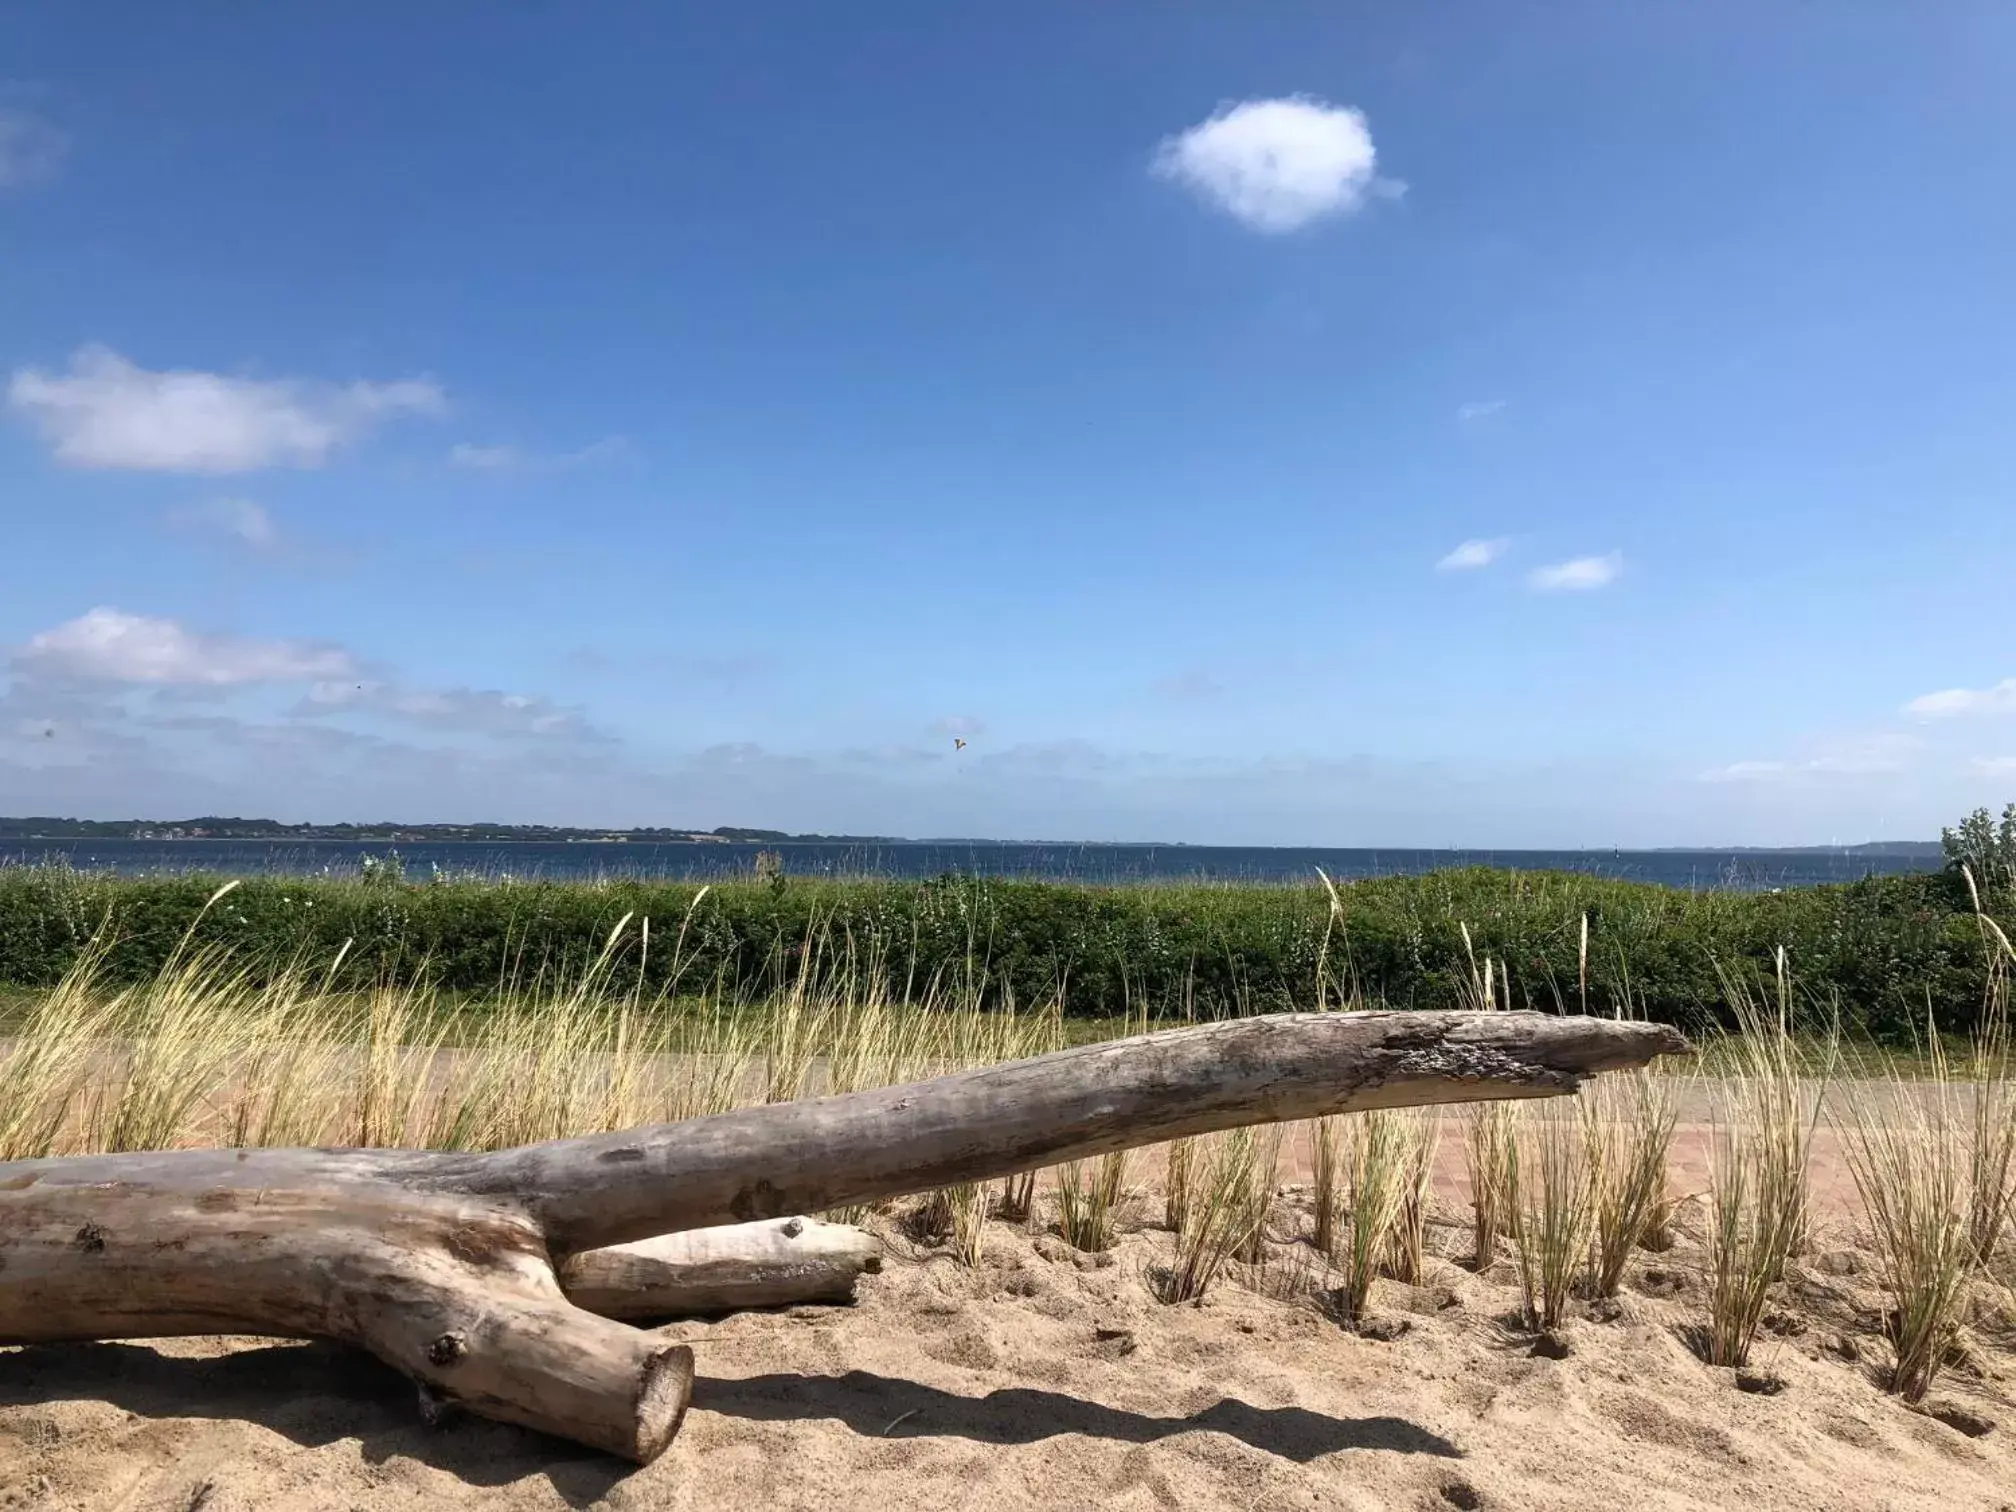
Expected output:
{"points": [[1075, 863]]}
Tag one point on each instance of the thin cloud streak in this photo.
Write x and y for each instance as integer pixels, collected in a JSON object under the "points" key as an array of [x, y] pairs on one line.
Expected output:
{"points": [[1958, 703], [1577, 575], [1473, 554]]}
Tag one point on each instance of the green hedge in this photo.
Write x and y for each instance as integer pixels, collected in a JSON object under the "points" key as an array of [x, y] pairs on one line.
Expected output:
{"points": [[1880, 948]]}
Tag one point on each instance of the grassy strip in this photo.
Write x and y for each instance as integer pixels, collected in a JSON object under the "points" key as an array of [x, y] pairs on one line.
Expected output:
{"points": [[1877, 949]]}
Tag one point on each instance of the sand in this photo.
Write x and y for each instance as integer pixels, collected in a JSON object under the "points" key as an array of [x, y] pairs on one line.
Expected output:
{"points": [[1045, 1378]]}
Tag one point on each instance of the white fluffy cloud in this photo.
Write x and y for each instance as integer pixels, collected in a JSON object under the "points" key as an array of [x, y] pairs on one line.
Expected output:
{"points": [[1276, 165], [1951, 703], [1579, 574], [1472, 554], [108, 645], [107, 412], [30, 148], [1478, 409]]}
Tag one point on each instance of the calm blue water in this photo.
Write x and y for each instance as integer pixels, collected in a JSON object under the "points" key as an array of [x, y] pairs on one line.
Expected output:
{"points": [[1076, 863]]}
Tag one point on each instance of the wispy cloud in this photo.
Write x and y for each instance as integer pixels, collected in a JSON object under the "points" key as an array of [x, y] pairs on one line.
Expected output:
{"points": [[107, 412], [1478, 409], [1578, 575], [481, 711], [1863, 756], [95, 664], [964, 726], [483, 458], [513, 459], [1955, 703], [31, 149], [1192, 686], [109, 645], [240, 520], [1277, 165], [1473, 554], [1748, 771], [1994, 766]]}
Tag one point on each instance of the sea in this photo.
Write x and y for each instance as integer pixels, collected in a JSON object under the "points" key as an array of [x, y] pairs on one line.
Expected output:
{"points": [[1091, 863]]}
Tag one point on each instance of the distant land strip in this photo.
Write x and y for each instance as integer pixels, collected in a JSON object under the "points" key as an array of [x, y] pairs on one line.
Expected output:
{"points": [[214, 827]]}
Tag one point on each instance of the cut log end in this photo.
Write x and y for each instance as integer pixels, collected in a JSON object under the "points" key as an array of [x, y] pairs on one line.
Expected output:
{"points": [[666, 1392]]}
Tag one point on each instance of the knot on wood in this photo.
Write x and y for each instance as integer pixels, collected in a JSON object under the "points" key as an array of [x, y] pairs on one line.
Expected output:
{"points": [[447, 1349], [90, 1239]]}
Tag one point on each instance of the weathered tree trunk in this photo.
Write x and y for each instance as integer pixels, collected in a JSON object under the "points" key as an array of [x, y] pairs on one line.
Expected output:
{"points": [[442, 1264], [726, 1269]]}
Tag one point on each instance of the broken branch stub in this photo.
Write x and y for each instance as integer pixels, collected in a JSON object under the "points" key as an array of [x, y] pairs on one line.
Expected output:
{"points": [[442, 1263]]}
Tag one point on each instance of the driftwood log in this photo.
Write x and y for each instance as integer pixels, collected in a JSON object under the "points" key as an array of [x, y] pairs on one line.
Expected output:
{"points": [[727, 1269], [443, 1264]]}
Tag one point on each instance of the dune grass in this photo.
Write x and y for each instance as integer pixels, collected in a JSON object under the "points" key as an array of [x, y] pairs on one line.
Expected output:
{"points": [[1628, 1122], [1909, 1153], [1231, 1192], [1550, 1200], [1934, 1160], [1767, 1104], [1176, 1181], [1420, 1141], [207, 1052], [1326, 1191], [1088, 1200], [1491, 1132], [1375, 1161]]}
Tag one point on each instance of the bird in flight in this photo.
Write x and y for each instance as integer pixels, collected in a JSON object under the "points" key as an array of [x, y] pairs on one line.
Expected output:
{"points": [[958, 744]]}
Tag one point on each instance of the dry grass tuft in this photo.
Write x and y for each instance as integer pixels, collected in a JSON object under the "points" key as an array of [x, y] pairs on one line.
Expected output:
{"points": [[1490, 1152], [1420, 1141], [1088, 1200], [1018, 1198], [1627, 1123], [1228, 1207], [955, 1216], [1910, 1147], [1326, 1172], [1550, 1198], [1766, 1105], [1991, 1070], [1176, 1185], [1375, 1158]]}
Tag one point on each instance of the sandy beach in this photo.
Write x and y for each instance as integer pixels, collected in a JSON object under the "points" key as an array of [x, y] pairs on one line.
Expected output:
{"points": [[1049, 1378]]}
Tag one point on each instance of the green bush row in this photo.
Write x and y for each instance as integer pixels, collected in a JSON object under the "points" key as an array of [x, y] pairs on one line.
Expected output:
{"points": [[1882, 948]]}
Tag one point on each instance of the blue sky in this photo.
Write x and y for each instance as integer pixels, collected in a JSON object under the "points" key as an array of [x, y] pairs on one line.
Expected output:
{"points": [[1544, 424]]}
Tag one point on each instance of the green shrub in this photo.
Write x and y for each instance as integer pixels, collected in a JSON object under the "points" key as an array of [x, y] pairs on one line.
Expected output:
{"points": [[1876, 948]]}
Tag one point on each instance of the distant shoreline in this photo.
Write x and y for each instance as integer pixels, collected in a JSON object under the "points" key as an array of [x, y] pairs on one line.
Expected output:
{"points": [[252, 831]]}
